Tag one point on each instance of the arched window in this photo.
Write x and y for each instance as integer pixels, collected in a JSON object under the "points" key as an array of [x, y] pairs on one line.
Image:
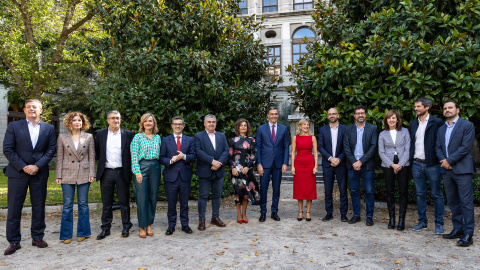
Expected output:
{"points": [[299, 44]]}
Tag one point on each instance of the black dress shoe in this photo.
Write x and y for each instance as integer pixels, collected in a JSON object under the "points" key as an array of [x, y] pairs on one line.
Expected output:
{"points": [[275, 216], [170, 230], [391, 223], [187, 229], [125, 232], [354, 219], [263, 217], [401, 224], [369, 221], [12, 248], [328, 217], [465, 241], [39, 243], [344, 218], [103, 234], [454, 234]]}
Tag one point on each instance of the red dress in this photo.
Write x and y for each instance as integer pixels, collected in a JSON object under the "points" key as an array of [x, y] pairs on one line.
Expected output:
{"points": [[304, 181]]}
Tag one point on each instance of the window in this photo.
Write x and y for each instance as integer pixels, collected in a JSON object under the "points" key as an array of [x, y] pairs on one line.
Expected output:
{"points": [[243, 7], [269, 5], [273, 59], [270, 34], [299, 44], [302, 4]]}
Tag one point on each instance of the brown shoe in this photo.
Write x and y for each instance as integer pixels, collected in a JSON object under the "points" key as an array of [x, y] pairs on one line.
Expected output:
{"points": [[39, 243], [201, 224], [12, 248], [218, 222]]}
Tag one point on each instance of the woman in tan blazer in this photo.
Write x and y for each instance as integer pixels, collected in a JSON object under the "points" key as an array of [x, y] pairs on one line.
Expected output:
{"points": [[75, 168]]}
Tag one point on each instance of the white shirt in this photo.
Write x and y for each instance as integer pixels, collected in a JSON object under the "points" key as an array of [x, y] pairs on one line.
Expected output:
{"points": [[211, 136], [34, 131], [76, 145], [276, 126], [114, 149], [393, 133], [420, 138], [334, 134], [176, 141]]}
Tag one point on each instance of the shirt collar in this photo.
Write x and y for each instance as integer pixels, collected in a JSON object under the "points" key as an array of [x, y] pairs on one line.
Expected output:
{"points": [[113, 133], [30, 123], [270, 124], [210, 134], [175, 136], [454, 122], [356, 125], [334, 128], [424, 120]]}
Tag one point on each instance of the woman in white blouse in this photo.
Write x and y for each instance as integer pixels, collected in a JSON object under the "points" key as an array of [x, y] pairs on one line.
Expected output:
{"points": [[394, 151]]}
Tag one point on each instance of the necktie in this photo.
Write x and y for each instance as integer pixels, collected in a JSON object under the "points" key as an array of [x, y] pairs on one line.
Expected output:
{"points": [[179, 145], [273, 133]]}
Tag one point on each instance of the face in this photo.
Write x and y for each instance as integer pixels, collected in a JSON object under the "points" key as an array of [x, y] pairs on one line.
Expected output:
{"points": [[273, 116], [33, 110], [392, 122], [360, 116], [114, 121], [148, 124], [177, 126], [243, 128], [420, 110], [305, 127], [450, 111], [332, 115], [77, 122], [210, 124]]}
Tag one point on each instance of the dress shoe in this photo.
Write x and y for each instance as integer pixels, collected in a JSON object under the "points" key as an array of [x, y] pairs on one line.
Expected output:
{"points": [[150, 233], [263, 217], [369, 221], [454, 234], [275, 216], [201, 224], [328, 217], [354, 219], [245, 221], [300, 218], [103, 234], [126, 232], [391, 222], [240, 221], [39, 243], [67, 241], [218, 222], [401, 224], [465, 241], [344, 218], [170, 230], [308, 218], [187, 229], [81, 239], [12, 248]]}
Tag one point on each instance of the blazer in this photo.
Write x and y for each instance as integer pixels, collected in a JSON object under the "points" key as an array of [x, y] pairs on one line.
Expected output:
{"points": [[271, 154], [17, 148], [325, 144], [75, 166], [429, 141], [168, 149], [459, 147], [387, 149], [101, 153], [206, 154], [369, 145]]}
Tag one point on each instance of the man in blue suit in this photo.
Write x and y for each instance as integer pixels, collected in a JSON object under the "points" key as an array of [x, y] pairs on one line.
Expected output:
{"points": [[272, 158], [454, 150], [29, 145], [177, 151], [211, 148], [330, 145]]}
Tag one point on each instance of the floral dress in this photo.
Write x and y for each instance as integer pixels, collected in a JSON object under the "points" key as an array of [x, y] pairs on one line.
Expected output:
{"points": [[242, 154]]}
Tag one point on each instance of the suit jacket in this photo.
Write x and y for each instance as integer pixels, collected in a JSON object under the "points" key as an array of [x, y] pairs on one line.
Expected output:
{"points": [[429, 141], [101, 153], [206, 154], [75, 166], [387, 149], [459, 147], [369, 145], [17, 148], [271, 154], [325, 144], [168, 149]]}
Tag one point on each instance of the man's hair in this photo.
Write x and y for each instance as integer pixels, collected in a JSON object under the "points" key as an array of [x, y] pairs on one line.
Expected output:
{"points": [[425, 102], [33, 100], [209, 116], [115, 112], [271, 108], [359, 107], [178, 118], [457, 106]]}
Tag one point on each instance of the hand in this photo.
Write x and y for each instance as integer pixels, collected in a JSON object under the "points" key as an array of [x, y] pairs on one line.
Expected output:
{"points": [[91, 179], [31, 169], [58, 181], [245, 170], [235, 172], [357, 165], [174, 159], [293, 170], [180, 156], [139, 178], [217, 164], [315, 170], [334, 162], [445, 164], [284, 168], [260, 169]]}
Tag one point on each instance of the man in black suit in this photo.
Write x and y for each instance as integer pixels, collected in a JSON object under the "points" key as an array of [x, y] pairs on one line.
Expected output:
{"points": [[177, 151], [112, 147], [29, 145]]}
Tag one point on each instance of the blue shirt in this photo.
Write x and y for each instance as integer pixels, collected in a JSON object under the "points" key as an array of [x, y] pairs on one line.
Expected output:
{"points": [[448, 133], [359, 146]]}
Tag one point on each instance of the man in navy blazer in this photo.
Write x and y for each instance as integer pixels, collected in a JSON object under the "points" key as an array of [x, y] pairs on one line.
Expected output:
{"points": [[360, 145], [272, 158], [177, 151], [454, 150], [211, 148], [29, 145], [330, 145]]}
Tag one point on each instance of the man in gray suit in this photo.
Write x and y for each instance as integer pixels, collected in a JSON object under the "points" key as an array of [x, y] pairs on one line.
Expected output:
{"points": [[454, 150]]}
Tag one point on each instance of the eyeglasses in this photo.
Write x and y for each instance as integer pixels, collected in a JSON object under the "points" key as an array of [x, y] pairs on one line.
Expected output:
{"points": [[115, 118], [360, 113], [331, 114], [177, 124]]}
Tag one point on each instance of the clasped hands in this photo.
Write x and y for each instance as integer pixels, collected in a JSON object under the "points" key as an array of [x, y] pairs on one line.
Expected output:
{"points": [[334, 161], [444, 164], [178, 157], [31, 169], [216, 165], [244, 171], [396, 168]]}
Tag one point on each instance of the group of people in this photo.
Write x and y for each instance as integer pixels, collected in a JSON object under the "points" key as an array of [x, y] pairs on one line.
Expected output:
{"points": [[429, 147]]}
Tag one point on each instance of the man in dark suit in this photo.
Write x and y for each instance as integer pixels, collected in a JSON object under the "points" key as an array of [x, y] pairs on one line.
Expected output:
{"points": [[330, 145], [272, 158], [211, 148], [454, 150], [360, 145], [29, 145], [177, 151], [423, 136], [112, 148]]}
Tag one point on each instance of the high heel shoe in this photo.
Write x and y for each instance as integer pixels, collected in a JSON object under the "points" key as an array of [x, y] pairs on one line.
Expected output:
{"points": [[300, 218], [308, 219], [144, 235], [240, 221]]}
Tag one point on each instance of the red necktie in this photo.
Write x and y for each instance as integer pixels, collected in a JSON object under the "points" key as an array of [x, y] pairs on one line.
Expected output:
{"points": [[273, 133], [179, 145]]}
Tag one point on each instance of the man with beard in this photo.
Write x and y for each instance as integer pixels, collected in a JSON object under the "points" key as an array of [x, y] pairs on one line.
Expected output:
{"points": [[360, 144], [423, 135], [330, 145], [454, 150]]}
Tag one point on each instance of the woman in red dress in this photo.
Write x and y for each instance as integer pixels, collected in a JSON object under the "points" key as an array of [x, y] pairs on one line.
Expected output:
{"points": [[304, 168]]}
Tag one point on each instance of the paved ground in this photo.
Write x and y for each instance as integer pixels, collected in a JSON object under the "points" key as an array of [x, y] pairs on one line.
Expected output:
{"points": [[288, 244]]}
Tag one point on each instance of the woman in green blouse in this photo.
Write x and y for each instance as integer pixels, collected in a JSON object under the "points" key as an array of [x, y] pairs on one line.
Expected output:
{"points": [[145, 149]]}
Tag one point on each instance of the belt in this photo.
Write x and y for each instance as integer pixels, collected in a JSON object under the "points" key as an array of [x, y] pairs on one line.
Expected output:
{"points": [[419, 160], [114, 169]]}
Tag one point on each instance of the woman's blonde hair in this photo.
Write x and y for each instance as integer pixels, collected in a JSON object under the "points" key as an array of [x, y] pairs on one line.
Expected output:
{"points": [[144, 118], [68, 119], [300, 123]]}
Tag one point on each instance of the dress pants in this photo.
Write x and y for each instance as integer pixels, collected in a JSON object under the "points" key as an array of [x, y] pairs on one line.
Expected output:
{"points": [[178, 190], [459, 191], [264, 183], [329, 175], [83, 222], [402, 180], [17, 192], [114, 178], [205, 185], [146, 192]]}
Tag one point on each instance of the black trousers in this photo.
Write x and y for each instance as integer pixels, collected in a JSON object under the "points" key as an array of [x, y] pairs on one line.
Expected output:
{"points": [[110, 179], [402, 180]]}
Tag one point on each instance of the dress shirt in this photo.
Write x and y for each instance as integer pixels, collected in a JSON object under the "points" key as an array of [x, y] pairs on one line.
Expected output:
{"points": [[34, 131], [420, 138], [393, 134], [211, 136], [276, 126], [334, 134], [144, 148], [114, 149], [359, 146], [448, 133], [76, 145], [176, 141]]}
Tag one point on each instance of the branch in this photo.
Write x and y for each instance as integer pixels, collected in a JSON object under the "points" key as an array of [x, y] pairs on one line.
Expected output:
{"points": [[16, 4], [15, 75]]}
